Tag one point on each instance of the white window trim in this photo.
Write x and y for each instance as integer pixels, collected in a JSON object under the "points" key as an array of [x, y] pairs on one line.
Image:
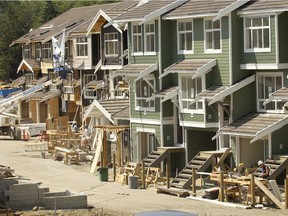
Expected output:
{"points": [[49, 50], [178, 47], [185, 110], [81, 43], [141, 33], [208, 51], [145, 39], [115, 44], [39, 49], [257, 80], [27, 51], [140, 108], [256, 50]]}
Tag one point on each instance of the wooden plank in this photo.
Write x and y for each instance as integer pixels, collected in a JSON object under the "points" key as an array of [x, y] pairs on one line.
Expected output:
{"points": [[97, 153], [269, 194], [275, 190]]}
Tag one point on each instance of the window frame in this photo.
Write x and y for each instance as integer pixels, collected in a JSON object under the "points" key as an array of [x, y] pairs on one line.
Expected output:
{"points": [[251, 28], [27, 51], [47, 50], [185, 32], [147, 38], [139, 36], [151, 103], [265, 75], [212, 30], [81, 45], [38, 52], [182, 99], [114, 42]]}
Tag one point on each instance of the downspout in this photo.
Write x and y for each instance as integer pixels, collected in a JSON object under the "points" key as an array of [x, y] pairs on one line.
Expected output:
{"points": [[160, 81]]}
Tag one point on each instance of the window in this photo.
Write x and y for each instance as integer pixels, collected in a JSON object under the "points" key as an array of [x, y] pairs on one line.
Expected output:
{"points": [[257, 34], [185, 37], [81, 46], [190, 88], [111, 44], [38, 51], [89, 78], [26, 51], [267, 84], [137, 39], [212, 35], [144, 90], [149, 38], [46, 50]]}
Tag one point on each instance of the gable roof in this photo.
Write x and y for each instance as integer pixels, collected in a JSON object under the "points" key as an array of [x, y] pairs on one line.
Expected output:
{"points": [[194, 8], [149, 10], [264, 6], [68, 21]]}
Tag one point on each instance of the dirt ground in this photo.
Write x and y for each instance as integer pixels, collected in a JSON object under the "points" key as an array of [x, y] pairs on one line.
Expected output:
{"points": [[106, 198]]}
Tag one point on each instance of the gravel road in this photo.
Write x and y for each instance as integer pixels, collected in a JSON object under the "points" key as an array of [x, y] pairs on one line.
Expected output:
{"points": [[106, 196]]}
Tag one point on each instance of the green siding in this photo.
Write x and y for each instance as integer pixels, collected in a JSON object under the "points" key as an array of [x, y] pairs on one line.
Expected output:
{"points": [[212, 113], [283, 35], [261, 57], [233, 150], [244, 105], [194, 117], [280, 137], [167, 109]]}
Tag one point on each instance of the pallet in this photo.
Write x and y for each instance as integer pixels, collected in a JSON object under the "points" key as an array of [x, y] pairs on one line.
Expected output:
{"points": [[173, 191]]}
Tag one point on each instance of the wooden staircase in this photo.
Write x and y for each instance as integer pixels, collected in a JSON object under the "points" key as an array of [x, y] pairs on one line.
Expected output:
{"points": [[276, 166], [155, 158], [201, 162]]}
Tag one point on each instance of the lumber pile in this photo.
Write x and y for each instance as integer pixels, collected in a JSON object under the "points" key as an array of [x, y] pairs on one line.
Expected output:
{"points": [[6, 172]]}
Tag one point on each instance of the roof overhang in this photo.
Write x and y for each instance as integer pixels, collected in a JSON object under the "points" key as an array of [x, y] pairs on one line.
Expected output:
{"points": [[23, 65], [279, 95], [256, 126], [227, 10], [52, 94], [96, 19], [167, 94], [95, 109], [137, 71], [232, 89], [274, 11], [205, 66], [162, 11]]}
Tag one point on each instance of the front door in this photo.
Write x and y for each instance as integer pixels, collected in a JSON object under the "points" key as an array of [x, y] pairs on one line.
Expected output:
{"points": [[146, 144]]}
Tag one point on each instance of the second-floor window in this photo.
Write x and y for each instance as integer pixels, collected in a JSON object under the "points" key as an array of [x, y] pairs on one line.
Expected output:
{"points": [[149, 38], [111, 44], [212, 36], [26, 51], [144, 90], [46, 50], [257, 34], [185, 37], [189, 89], [81, 46], [266, 85], [38, 51], [137, 39]]}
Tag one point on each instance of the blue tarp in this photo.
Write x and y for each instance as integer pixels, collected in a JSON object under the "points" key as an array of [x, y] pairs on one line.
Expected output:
{"points": [[5, 92]]}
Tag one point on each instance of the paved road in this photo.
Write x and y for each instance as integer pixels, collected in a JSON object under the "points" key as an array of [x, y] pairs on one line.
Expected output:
{"points": [[109, 195]]}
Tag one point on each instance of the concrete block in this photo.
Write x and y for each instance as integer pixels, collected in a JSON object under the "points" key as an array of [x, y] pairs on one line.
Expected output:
{"points": [[22, 192], [65, 202], [55, 194], [4, 185], [42, 191], [22, 204]]}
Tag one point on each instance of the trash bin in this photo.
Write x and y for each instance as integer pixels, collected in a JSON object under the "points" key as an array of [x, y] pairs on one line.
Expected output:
{"points": [[133, 182], [103, 173], [43, 155]]}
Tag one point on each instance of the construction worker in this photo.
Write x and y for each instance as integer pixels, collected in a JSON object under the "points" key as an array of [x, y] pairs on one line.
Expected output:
{"points": [[263, 169]]}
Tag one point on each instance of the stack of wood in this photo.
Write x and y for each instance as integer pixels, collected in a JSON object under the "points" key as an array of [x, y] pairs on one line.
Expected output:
{"points": [[6, 172]]}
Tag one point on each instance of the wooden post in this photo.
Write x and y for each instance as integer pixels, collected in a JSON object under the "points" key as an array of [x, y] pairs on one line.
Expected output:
{"points": [[114, 167], [168, 171], [143, 174], [221, 187], [119, 147], [105, 148], [286, 192], [193, 182], [252, 190], [101, 161]]}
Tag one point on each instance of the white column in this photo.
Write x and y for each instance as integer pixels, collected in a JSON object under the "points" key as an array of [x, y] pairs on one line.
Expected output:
{"points": [[38, 111]]}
